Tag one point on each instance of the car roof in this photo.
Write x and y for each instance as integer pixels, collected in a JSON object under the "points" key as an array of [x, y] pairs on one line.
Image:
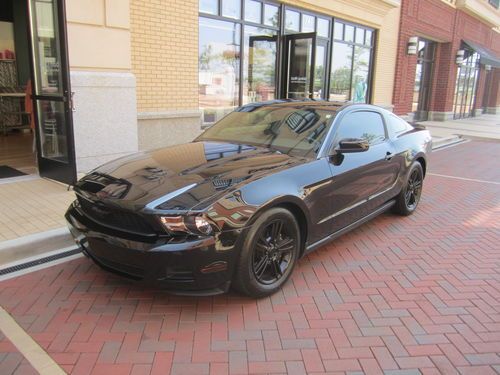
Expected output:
{"points": [[305, 103]]}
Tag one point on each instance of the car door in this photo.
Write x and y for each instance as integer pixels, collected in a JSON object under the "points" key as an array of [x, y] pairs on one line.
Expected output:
{"points": [[360, 177]]}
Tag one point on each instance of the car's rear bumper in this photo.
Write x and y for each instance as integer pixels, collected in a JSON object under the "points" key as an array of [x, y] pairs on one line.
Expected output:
{"points": [[199, 266]]}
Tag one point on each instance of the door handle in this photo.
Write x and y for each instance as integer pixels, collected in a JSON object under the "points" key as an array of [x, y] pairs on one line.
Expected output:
{"points": [[72, 102], [388, 155]]}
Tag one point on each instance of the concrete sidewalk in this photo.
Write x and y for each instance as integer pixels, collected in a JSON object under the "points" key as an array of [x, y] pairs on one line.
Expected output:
{"points": [[484, 126]]}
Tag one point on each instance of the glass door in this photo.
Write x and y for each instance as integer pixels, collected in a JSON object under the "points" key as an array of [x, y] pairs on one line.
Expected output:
{"points": [[466, 85], [423, 79], [299, 55], [51, 91]]}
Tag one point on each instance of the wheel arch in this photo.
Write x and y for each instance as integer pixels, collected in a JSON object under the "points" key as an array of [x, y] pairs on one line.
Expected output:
{"points": [[298, 210], [420, 158]]}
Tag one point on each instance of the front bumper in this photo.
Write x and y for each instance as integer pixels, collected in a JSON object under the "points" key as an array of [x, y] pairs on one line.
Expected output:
{"points": [[200, 266]]}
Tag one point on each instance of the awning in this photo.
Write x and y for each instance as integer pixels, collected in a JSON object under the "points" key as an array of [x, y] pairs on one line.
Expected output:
{"points": [[487, 56]]}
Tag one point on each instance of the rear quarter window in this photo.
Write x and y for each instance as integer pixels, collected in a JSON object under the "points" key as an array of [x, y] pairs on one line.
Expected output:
{"points": [[397, 125]]}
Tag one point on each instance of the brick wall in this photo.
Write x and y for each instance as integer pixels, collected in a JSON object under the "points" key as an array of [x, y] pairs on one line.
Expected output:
{"points": [[435, 20], [164, 39]]}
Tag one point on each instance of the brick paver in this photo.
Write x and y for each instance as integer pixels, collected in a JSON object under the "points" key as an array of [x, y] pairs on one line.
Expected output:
{"points": [[398, 295]]}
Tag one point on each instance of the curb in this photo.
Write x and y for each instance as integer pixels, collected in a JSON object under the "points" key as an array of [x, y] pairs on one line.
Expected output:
{"points": [[34, 245], [447, 141]]}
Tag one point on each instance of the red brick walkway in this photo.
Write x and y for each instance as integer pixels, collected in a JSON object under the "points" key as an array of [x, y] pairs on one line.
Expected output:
{"points": [[398, 295]]}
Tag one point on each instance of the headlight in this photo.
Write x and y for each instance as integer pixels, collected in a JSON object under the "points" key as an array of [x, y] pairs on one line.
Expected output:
{"points": [[202, 225], [197, 225]]}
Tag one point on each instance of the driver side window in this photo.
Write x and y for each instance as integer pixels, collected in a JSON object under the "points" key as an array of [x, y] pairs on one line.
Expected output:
{"points": [[366, 125]]}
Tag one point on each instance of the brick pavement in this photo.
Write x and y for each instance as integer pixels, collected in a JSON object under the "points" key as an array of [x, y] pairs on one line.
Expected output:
{"points": [[398, 295]]}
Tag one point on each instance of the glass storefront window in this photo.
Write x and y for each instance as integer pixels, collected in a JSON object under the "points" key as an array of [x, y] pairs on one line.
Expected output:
{"points": [[349, 33], [219, 66], [259, 70], [308, 23], [252, 11], [292, 20], [360, 35], [338, 31], [323, 27], [361, 69], [319, 71], [368, 37], [231, 8], [231, 74], [340, 81], [209, 6], [271, 15], [351, 63]]}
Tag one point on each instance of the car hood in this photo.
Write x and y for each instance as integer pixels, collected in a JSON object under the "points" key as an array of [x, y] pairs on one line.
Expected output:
{"points": [[180, 177]]}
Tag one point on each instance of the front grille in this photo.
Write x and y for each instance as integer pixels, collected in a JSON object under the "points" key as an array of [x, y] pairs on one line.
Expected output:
{"points": [[115, 218]]}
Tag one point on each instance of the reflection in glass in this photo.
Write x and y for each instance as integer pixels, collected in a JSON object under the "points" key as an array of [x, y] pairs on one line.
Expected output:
{"points": [[289, 129], [259, 65], [360, 35], [292, 20], [231, 8], [323, 27], [219, 64], [209, 6], [368, 37], [270, 15], [349, 33], [340, 82], [319, 71], [47, 55], [360, 74], [299, 68], [52, 123], [308, 23], [338, 31], [252, 11], [466, 85]]}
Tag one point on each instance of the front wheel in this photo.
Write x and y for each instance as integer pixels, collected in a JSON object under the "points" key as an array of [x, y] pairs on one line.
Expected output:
{"points": [[409, 197], [269, 254]]}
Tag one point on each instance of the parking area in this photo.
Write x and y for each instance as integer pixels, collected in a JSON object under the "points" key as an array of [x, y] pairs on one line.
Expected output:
{"points": [[398, 295]]}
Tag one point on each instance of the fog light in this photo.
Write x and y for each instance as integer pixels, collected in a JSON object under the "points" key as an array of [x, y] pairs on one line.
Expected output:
{"points": [[202, 225]]}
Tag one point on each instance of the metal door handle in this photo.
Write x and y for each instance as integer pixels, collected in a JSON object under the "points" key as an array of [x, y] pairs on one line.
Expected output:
{"points": [[72, 102], [388, 156]]}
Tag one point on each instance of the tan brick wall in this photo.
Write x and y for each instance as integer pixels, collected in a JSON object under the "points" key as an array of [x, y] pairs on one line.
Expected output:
{"points": [[385, 59], [165, 53]]}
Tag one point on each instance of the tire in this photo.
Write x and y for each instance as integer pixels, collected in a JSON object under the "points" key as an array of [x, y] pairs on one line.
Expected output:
{"points": [[409, 197], [269, 254]]}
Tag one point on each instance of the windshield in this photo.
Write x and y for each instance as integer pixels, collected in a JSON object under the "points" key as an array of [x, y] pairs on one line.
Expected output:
{"points": [[294, 130]]}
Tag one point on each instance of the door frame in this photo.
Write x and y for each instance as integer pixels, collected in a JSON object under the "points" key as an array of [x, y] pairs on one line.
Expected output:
{"points": [[284, 51], [50, 168]]}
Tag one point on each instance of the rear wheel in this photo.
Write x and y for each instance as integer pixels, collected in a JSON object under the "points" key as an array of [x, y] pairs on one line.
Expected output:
{"points": [[269, 254], [409, 197]]}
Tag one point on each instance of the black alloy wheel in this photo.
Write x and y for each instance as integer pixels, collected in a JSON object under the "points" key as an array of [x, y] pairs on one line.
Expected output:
{"points": [[269, 253], [273, 252], [409, 197], [413, 189]]}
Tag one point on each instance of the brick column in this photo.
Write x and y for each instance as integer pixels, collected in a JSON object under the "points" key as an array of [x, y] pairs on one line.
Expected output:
{"points": [[481, 86], [445, 75], [493, 99]]}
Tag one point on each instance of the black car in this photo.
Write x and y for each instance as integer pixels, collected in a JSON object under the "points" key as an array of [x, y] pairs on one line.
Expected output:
{"points": [[245, 200]]}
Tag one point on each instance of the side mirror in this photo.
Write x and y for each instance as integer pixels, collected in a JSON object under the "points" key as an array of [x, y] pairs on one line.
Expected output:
{"points": [[350, 145]]}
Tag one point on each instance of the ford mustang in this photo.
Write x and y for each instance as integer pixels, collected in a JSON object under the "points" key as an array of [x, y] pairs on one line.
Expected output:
{"points": [[238, 206]]}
